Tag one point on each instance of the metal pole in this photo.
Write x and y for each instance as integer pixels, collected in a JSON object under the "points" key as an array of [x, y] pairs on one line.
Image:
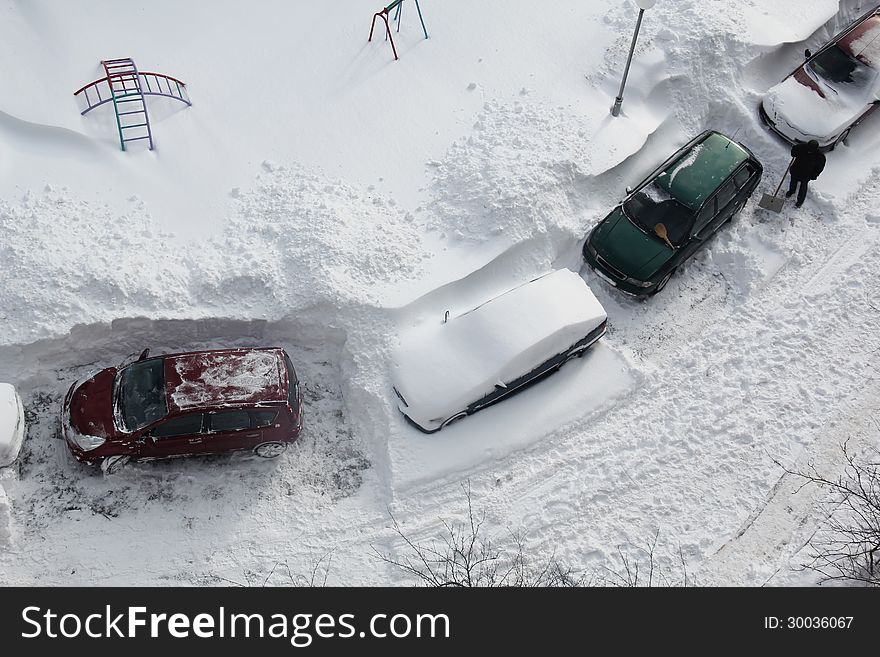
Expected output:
{"points": [[424, 29], [615, 110]]}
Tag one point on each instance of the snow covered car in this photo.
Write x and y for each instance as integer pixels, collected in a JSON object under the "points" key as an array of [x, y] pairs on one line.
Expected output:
{"points": [[672, 213], [201, 402], [463, 364], [832, 91], [11, 424]]}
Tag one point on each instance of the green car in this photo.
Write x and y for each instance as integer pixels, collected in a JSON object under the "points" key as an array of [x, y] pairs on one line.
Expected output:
{"points": [[672, 213]]}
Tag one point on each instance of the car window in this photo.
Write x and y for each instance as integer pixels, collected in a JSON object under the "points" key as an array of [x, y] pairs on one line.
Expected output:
{"points": [[725, 194], [265, 418], [179, 426], [139, 393], [292, 383], [742, 176], [706, 215], [230, 421]]}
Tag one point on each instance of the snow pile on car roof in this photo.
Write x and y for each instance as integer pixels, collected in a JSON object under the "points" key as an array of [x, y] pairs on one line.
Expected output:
{"points": [[226, 378], [683, 164], [11, 425], [864, 43], [441, 368]]}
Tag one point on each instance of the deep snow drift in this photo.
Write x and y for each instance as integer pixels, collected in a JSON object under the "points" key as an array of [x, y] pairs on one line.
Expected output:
{"points": [[319, 196]]}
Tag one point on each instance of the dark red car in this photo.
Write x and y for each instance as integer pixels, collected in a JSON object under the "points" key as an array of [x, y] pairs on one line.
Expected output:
{"points": [[201, 402], [833, 91]]}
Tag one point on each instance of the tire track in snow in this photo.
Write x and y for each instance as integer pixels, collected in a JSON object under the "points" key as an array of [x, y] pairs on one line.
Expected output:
{"points": [[776, 532], [846, 254]]}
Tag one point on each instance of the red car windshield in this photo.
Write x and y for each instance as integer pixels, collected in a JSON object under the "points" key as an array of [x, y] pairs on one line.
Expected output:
{"points": [[139, 394], [836, 67]]}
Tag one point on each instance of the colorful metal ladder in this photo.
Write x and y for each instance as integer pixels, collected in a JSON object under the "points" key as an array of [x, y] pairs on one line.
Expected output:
{"points": [[383, 14], [128, 101], [126, 88]]}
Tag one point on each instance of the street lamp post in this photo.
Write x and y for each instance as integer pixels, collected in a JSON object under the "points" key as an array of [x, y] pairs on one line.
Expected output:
{"points": [[643, 5]]}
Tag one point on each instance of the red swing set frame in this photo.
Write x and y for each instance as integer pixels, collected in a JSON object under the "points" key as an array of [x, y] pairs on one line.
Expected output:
{"points": [[383, 14]]}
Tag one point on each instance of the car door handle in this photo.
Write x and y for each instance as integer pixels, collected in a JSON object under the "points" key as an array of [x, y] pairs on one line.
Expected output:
{"points": [[195, 441], [252, 435]]}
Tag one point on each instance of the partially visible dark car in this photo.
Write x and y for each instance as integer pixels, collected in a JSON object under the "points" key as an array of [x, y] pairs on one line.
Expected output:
{"points": [[183, 404], [672, 213], [833, 91]]}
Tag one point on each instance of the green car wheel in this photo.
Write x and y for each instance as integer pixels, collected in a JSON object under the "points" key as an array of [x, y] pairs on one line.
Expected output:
{"points": [[663, 282]]}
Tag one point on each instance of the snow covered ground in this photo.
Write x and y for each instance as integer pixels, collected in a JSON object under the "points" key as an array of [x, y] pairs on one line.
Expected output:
{"points": [[319, 195]]}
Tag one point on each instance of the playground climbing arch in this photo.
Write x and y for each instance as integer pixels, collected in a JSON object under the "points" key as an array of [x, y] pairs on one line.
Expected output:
{"points": [[126, 88]]}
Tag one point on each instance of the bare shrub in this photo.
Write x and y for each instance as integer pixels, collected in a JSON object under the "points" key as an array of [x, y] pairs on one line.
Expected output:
{"points": [[640, 566], [847, 547], [467, 556]]}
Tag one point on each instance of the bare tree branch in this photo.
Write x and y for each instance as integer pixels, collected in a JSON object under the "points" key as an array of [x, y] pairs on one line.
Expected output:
{"points": [[847, 546], [467, 556]]}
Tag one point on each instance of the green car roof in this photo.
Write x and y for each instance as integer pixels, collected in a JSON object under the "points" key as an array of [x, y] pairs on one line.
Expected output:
{"points": [[698, 172]]}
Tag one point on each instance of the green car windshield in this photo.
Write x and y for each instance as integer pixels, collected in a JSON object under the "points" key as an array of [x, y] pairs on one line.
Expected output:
{"points": [[139, 394], [653, 205]]}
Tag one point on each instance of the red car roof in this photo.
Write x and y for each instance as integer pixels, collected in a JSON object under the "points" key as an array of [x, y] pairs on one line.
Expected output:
{"points": [[225, 377], [863, 42]]}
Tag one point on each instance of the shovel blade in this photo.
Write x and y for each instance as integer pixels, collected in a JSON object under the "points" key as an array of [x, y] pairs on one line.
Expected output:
{"points": [[772, 203]]}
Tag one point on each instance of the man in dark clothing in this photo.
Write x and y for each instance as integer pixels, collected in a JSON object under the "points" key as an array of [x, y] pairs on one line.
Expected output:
{"points": [[808, 164]]}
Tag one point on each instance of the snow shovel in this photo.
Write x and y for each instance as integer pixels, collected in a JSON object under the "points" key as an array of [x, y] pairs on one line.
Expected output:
{"points": [[774, 203]]}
